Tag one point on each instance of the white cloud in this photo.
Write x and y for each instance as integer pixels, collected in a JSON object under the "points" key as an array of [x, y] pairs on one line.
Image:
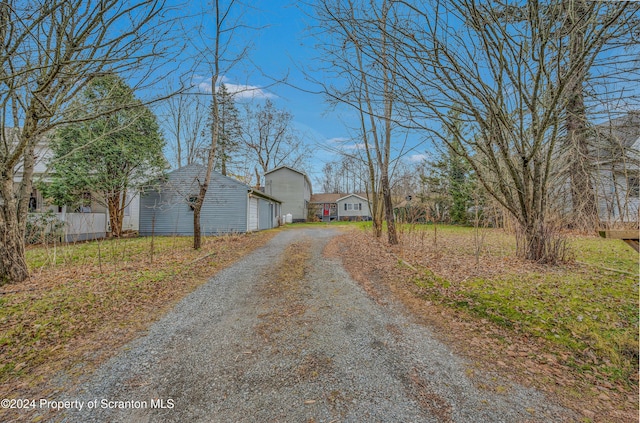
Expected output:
{"points": [[356, 146], [240, 92], [337, 140], [204, 86], [417, 158], [248, 91]]}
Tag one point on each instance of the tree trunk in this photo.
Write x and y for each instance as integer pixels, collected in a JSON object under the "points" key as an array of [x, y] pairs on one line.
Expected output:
{"points": [[585, 210], [376, 213], [197, 207], [392, 235], [115, 214], [540, 241], [257, 177], [13, 265], [376, 216], [13, 214]]}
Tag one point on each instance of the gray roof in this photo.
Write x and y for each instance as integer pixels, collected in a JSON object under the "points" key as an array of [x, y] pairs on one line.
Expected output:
{"points": [[615, 139], [201, 169], [625, 129]]}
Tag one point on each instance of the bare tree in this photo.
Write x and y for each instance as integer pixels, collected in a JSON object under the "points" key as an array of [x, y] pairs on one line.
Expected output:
{"points": [[605, 69], [508, 75], [361, 58], [185, 118], [269, 138], [50, 51], [219, 56], [604, 77], [348, 174], [579, 167]]}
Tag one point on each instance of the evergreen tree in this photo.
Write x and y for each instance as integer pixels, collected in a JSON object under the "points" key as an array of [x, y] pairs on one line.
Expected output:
{"points": [[108, 156], [229, 130], [459, 174]]}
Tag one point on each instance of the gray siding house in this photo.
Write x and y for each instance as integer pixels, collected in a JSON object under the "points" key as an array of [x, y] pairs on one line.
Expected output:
{"points": [[616, 157], [293, 188], [353, 207], [329, 207], [229, 205]]}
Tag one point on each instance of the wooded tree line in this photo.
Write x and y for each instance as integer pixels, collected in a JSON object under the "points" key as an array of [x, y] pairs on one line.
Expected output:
{"points": [[512, 89], [254, 135]]}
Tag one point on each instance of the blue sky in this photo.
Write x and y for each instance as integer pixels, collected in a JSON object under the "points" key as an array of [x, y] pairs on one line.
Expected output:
{"points": [[280, 49]]}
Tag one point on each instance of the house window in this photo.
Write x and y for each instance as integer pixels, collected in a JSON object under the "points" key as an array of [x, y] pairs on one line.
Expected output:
{"points": [[33, 202], [633, 184]]}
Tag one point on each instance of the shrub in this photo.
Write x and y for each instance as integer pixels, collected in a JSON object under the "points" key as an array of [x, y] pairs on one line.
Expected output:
{"points": [[43, 228]]}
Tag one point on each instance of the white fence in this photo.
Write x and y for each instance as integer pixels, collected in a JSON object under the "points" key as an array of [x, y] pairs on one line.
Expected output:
{"points": [[84, 226], [75, 226]]}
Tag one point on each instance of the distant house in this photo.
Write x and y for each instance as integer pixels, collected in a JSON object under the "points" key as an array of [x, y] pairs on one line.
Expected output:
{"points": [[88, 222], [328, 207], [229, 205], [325, 206], [616, 154], [293, 188], [411, 210]]}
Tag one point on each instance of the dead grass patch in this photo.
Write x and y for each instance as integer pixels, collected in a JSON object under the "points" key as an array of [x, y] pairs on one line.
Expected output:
{"points": [[281, 289]]}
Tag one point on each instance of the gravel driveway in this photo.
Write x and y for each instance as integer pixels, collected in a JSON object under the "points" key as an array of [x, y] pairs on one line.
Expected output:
{"points": [[321, 351]]}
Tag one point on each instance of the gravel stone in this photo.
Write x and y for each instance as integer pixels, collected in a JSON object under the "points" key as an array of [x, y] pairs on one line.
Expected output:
{"points": [[226, 354]]}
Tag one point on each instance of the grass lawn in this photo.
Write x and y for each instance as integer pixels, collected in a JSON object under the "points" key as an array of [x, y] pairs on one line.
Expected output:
{"points": [[570, 330], [587, 306]]}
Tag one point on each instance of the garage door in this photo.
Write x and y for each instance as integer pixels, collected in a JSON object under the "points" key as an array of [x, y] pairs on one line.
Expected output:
{"points": [[253, 214]]}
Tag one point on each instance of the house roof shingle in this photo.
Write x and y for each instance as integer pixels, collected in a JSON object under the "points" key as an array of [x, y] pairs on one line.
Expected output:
{"points": [[334, 197], [325, 198]]}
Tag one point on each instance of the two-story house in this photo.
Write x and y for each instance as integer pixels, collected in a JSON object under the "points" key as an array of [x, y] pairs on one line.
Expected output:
{"points": [[293, 188]]}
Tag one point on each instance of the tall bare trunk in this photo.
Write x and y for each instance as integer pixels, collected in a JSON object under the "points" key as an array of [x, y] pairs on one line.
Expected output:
{"points": [[115, 204], [14, 211], [585, 211], [215, 128], [392, 235], [13, 215], [197, 233], [13, 266], [388, 96]]}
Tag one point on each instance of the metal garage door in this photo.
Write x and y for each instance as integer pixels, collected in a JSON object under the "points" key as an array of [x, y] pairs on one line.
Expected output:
{"points": [[253, 214]]}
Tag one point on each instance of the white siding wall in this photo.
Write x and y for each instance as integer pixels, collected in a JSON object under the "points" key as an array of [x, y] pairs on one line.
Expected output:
{"points": [[359, 207], [292, 189], [131, 219]]}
